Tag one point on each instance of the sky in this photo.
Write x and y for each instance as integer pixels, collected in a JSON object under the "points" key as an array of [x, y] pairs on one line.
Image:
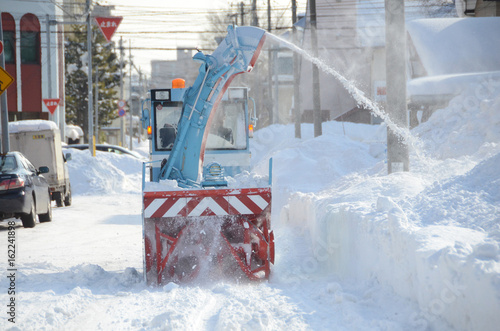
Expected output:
{"points": [[152, 27]]}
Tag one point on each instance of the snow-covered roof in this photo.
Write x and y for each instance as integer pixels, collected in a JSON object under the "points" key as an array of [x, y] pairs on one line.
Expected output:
{"points": [[32, 125], [457, 45], [370, 17], [446, 85]]}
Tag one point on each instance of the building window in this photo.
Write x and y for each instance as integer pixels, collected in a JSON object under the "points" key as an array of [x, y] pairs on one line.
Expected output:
{"points": [[30, 47], [30, 39], [9, 42], [9, 38]]}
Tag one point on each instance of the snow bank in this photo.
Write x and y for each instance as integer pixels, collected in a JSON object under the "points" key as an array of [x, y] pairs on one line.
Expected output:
{"points": [[432, 234], [105, 173], [342, 149], [470, 124]]}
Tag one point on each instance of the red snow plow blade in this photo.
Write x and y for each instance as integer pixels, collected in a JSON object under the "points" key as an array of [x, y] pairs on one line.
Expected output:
{"points": [[207, 234]]}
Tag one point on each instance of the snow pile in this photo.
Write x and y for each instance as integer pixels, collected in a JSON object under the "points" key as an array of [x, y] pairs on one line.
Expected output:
{"points": [[309, 165], [471, 200], [104, 173], [73, 131], [432, 234], [470, 124]]}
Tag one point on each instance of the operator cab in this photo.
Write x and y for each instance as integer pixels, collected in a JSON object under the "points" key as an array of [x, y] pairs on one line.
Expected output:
{"points": [[227, 142]]}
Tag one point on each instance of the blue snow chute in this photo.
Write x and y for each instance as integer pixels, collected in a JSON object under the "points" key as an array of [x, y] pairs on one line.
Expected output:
{"points": [[236, 54]]}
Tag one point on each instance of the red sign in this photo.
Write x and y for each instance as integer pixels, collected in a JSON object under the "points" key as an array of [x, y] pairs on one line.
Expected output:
{"points": [[108, 25], [1, 47], [51, 104]]}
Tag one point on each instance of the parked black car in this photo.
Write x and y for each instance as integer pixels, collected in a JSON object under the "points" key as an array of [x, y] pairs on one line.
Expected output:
{"points": [[24, 193]]}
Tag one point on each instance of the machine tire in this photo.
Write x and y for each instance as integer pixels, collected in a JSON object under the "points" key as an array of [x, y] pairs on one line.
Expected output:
{"points": [[48, 216], [29, 220], [67, 198], [59, 199]]}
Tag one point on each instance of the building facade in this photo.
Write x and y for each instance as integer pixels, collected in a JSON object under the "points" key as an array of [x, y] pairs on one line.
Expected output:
{"points": [[34, 57], [163, 72]]}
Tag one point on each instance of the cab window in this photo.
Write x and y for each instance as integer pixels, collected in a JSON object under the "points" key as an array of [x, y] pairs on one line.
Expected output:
{"points": [[167, 117], [228, 128]]}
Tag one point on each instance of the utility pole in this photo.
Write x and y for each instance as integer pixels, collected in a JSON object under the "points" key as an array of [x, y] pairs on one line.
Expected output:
{"points": [[242, 13], [96, 105], [49, 68], [130, 95], [296, 75], [3, 103], [89, 82], [255, 18], [142, 92], [395, 45], [122, 120], [270, 64], [234, 16], [315, 72], [256, 80], [276, 100]]}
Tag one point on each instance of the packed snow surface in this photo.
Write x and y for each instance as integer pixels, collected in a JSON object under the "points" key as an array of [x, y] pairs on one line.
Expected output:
{"points": [[356, 248]]}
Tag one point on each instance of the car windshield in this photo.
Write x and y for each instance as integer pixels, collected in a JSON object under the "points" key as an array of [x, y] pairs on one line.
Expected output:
{"points": [[7, 163]]}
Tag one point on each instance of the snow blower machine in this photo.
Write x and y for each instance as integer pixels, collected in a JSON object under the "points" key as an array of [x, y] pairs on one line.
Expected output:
{"points": [[195, 226]]}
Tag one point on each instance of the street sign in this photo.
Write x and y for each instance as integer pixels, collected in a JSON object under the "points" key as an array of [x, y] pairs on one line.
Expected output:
{"points": [[121, 112], [5, 80], [51, 104], [108, 25], [121, 104], [1, 47]]}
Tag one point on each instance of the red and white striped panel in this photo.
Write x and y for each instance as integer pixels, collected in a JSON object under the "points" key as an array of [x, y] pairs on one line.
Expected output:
{"points": [[216, 202]]}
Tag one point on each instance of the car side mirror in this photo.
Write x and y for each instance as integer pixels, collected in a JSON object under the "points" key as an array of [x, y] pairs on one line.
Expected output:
{"points": [[43, 170], [68, 157]]}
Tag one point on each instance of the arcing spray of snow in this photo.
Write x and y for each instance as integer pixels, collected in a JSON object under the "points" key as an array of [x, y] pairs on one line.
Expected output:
{"points": [[358, 95]]}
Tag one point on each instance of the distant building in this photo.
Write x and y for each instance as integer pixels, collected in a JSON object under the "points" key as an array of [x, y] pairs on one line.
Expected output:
{"points": [[163, 72], [74, 9], [35, 58], [24, 25], [351, 41], [478, 8]]}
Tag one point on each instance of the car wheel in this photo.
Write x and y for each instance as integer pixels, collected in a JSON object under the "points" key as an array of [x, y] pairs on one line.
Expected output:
{"points": [[67, 198], [29, 220], [46, 217], [59, 199]]}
